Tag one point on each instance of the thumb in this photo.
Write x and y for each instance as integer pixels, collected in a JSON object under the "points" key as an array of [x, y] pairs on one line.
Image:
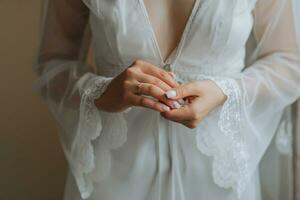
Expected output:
{"points": [[182, 91]]}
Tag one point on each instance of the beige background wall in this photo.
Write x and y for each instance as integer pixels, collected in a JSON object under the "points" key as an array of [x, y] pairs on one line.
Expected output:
{"points": [[32, 164]]}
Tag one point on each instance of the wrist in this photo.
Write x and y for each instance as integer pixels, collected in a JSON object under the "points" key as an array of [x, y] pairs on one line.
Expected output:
{"points": [[218, 91]]}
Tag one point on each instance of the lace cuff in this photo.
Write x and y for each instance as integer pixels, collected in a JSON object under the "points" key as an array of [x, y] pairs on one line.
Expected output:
{"points": [[226, 145], [89, 128]]}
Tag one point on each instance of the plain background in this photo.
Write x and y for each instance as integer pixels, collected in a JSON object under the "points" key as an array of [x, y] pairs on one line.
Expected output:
{"points": [[32, 162]]}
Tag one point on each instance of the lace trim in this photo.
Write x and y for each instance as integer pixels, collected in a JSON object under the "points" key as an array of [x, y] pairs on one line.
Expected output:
{"points": [[230, 158], [92, 93], [89, 128]]}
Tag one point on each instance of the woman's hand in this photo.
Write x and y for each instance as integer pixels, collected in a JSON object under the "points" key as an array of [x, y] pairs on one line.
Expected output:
{"points": [[141, 84], [201, 97]]}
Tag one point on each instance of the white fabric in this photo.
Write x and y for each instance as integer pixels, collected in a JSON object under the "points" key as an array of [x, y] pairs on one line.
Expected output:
{"points": [[248, 48]]}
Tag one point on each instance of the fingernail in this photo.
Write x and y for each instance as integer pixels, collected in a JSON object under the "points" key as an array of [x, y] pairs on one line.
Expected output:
{"points": [[180, 101], [171, 94], [176, 105], [165, 108]]}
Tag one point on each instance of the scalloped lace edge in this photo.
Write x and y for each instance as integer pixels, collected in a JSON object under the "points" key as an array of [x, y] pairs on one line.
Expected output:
{"points": [[89, 128], [230, 157]]}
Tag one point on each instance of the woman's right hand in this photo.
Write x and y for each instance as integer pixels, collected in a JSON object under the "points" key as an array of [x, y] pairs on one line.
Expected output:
{"points": [[141, 84]]}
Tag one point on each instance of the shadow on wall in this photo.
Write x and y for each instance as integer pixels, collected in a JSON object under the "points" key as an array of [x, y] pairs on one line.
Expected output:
{"points": [[32, 163]]}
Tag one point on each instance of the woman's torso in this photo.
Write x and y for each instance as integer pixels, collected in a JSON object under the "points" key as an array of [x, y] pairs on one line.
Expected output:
{"points": [[157, 159], [213, 39]]}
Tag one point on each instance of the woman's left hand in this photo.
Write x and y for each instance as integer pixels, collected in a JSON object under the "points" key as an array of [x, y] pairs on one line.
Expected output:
{"points": [[201, 97]]}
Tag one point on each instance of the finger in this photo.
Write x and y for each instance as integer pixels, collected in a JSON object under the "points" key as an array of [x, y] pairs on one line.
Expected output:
{"points": [[184, 113], [189, 124], [147, 102], [145, 78], [184, 90], [138, 88], [157, 93], [159, 73], [151, 90], [190, 111]]}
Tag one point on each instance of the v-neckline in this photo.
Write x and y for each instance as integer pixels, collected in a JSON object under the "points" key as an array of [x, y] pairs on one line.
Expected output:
{"points": [[179, 45]]}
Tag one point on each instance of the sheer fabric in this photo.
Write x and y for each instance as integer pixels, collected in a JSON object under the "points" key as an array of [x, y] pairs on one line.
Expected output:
{"points": [[271, 82], [260, 81], [69, 85]]}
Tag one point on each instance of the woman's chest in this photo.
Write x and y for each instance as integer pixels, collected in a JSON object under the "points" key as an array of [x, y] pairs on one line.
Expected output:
{"points": [[168, 19], [203, 30]]}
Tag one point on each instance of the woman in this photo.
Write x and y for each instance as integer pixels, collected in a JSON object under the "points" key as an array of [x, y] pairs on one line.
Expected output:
{"points": [[174, 108]]}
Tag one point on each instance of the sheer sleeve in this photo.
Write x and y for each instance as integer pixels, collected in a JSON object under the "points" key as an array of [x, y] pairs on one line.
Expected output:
{"points": [[257, 97], [69, 85]]}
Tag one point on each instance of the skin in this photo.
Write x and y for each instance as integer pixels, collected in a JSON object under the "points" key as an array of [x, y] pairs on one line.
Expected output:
{"points": [[168, 18], [205, 96], [124, 92], [141, 84]]}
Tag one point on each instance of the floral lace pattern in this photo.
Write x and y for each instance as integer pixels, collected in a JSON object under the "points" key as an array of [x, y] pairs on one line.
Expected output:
{"points": [[89, 128], [93, 92], [230, 158]]}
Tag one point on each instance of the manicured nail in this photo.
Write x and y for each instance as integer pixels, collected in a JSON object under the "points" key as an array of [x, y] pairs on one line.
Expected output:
{"points": [[165, 108], [171, 94], [176, 105], [181, 101]]}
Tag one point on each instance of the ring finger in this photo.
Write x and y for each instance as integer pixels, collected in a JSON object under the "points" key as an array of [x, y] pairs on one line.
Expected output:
{"points": [[154, 81], [155, 92]]}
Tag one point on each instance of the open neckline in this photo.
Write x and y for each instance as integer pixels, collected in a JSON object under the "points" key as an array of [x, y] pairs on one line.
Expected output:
{"points": [[176, 51]]}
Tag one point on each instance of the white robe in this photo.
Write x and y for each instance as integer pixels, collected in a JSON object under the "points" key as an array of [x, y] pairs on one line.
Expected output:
{"points": [[137, 154]]}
